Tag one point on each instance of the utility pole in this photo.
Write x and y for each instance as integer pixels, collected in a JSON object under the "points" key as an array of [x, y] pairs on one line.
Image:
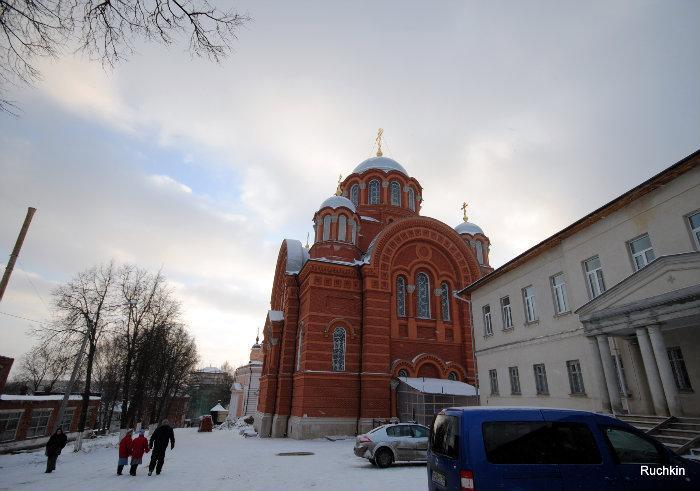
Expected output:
{"points": [[15, 252], [69, 389]]}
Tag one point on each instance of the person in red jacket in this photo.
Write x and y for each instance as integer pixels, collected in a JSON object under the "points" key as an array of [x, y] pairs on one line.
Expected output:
{"points": [[124, 452], [138, 447]]}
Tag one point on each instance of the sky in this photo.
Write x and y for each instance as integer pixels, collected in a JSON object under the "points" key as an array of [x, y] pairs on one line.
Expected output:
{"points": [[535, 113]]}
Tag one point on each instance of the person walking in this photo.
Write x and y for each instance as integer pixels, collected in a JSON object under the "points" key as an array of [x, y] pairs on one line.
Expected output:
{"points": [[159, 443], [53, 448], [138, 447], [124, 451]]}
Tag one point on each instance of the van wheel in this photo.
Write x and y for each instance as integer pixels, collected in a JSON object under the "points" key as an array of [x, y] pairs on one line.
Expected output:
{"points": [[384, 458], [373, 462]]}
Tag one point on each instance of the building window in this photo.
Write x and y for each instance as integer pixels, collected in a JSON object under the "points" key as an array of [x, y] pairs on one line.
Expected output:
{"points": [[594, 276], [342, 227], [541, 379], [374, 192], [9, 422], [452, 376], [506, 313], [395, 193], [300, 344], [488, 327], [514, 376], [642, 252], [694, 223], [327, 227], [355, 194], [561, 302], [423, 290], [620, 376], [573, 367], [39, 423], [67, 419], [680, 373], [529, 302], [403, 373], [493, 378], [411, 199], [400, 296], [479, 251], [445, 301], [339, 349], [353, 228]]}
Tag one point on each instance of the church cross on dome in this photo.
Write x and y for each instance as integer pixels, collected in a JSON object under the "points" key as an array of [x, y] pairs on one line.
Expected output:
{"points": [[378, 141], [338, 191], [464, 210]]}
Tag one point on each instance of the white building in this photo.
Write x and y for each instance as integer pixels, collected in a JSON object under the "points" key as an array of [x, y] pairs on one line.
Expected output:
{"points": [[245, 389], [605, 314]]}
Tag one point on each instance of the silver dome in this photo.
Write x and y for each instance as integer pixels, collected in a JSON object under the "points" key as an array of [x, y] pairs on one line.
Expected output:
{"points": [[382, 163], [337, 202], [469, 228]]}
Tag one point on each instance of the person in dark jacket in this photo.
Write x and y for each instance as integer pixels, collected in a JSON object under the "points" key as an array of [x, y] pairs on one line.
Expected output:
{"points": [[124, 451], [138, 447], [159, 443], [53, 448]]}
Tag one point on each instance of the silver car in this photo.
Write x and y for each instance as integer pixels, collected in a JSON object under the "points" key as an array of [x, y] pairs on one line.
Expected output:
{"points": [[393, 443]]}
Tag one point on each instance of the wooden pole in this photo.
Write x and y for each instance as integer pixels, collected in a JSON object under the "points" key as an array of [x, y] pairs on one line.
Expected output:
{"points": [[15, 252]]}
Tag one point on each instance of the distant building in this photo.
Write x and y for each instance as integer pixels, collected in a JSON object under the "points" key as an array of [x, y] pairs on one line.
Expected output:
{"points": [[209, 385], [246, 385]]}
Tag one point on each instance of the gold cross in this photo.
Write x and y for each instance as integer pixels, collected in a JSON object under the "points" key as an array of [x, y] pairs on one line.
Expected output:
{"points": [[338, 191], [464, 209], [378, 140]]}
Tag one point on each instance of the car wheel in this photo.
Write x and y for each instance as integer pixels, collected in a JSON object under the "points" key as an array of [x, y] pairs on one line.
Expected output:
{"points": [[384, 458], [373, 462]]}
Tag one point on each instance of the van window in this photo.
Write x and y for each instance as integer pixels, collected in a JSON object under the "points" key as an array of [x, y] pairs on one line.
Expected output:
{"points": [[533, 442], [443, 439], [630, 448]]}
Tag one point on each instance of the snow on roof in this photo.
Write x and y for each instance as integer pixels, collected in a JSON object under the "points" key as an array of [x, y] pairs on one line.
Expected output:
{"points": [[382, 163], [218, 407], [439, 386], [275, 315], [338, 201], [210, 370], [297, 255], [369, 219], [469, 228], [52, 397]]}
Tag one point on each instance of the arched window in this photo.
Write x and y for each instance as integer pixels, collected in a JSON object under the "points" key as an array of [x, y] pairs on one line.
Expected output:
{"points": [[374, 192], [327, 227], [339, 349], [400, 296], [395, 193], [355, 194], [445, 301], [411, 199], [452, 376], [423, 290], [353, 226], [403, 373], [479, 251], [342, 227], [300, 342]]}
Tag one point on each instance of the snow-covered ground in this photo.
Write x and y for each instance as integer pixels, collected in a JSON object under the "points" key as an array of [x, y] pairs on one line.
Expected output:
{"points": [[220, 460]]}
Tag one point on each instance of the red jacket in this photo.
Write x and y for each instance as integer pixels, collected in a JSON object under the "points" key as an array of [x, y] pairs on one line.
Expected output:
{"points": [[139, 447], [125, 446]]}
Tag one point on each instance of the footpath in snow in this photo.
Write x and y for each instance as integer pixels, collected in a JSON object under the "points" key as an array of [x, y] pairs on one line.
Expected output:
{"points": [[220, 460]]}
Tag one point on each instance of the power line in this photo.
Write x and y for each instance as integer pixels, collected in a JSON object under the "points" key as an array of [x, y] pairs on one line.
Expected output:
{"points": [[36, 290], [24, 318]]}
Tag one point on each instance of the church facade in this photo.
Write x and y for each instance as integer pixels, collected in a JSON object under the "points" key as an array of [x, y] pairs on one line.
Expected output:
{"points": [[370, 301]]}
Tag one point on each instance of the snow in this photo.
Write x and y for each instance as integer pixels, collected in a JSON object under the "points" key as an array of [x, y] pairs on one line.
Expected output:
{"points": [[468, 228], [220, 460], [275, 315], [382, 163], [297, 255], [210, 370], [440, 386], [53, 397], [338, 202], [218, 407], [369, 219]]}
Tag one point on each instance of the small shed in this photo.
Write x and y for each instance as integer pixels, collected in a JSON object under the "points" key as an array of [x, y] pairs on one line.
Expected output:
{"points": [[420, 399], [218, 413]]}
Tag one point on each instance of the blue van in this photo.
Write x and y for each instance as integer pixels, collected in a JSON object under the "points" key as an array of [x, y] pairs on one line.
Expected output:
{"points": [[539, 449]]}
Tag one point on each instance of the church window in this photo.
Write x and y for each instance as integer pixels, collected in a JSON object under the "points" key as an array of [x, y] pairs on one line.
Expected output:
{"points": [[445, 301], [452, 376], [300, 342], [339, 349], [395, 193], [423, 290], [342, 227], [403, 373], [411, 199], [374, 192], [355, 194], [400, 296], [354, 231], [479, 251], [327, 227]]}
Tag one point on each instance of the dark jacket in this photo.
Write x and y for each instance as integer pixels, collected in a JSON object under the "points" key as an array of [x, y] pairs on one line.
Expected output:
{"points": [[56, 443], [160, 437]]}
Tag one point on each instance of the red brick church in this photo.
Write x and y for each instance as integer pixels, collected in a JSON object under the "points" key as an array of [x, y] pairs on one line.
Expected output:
{"points": [[371, 300]]}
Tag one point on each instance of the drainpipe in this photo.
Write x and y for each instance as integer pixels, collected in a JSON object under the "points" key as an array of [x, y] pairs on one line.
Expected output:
{"points": [[362, 343]]}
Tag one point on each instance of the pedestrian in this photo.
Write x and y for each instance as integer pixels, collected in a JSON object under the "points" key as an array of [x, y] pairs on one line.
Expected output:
{"points": [[159, 443], [138, 447], [124, 451], [53, 448]]}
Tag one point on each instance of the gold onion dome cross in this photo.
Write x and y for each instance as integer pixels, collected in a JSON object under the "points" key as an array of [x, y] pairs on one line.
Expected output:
{"points": [[378, 141], [464, 210]]}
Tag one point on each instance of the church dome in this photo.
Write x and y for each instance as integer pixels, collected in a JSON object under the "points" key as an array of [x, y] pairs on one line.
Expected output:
{"points": [[469, 228], [382, 163], [338, 202]]}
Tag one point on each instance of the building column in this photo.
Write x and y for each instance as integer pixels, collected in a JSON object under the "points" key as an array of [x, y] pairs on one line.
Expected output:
{"points": [[653, 378], [664, 365], [598, 374], [609, 372]]}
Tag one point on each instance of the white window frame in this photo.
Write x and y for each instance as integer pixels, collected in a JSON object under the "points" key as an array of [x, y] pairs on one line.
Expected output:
{"points": [[395, 193], [559, 296], [10, 412], [488, 324], [71, 410], [643, 257], [493, 380], [529, 304], [595, 280], [39, 414], [355, 194], [576, 386], [374, 185], [506, 313], [514, 376], [419, 296], [694, 232]]}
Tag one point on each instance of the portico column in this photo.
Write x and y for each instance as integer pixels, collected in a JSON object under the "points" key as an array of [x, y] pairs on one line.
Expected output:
{"points": [[609, 372], [655, 388], [667, 381], [598, 374]]}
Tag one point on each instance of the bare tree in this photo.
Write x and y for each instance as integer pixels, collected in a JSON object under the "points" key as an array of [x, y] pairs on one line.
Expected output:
{"points": [[106, 30], [43, 365]]}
